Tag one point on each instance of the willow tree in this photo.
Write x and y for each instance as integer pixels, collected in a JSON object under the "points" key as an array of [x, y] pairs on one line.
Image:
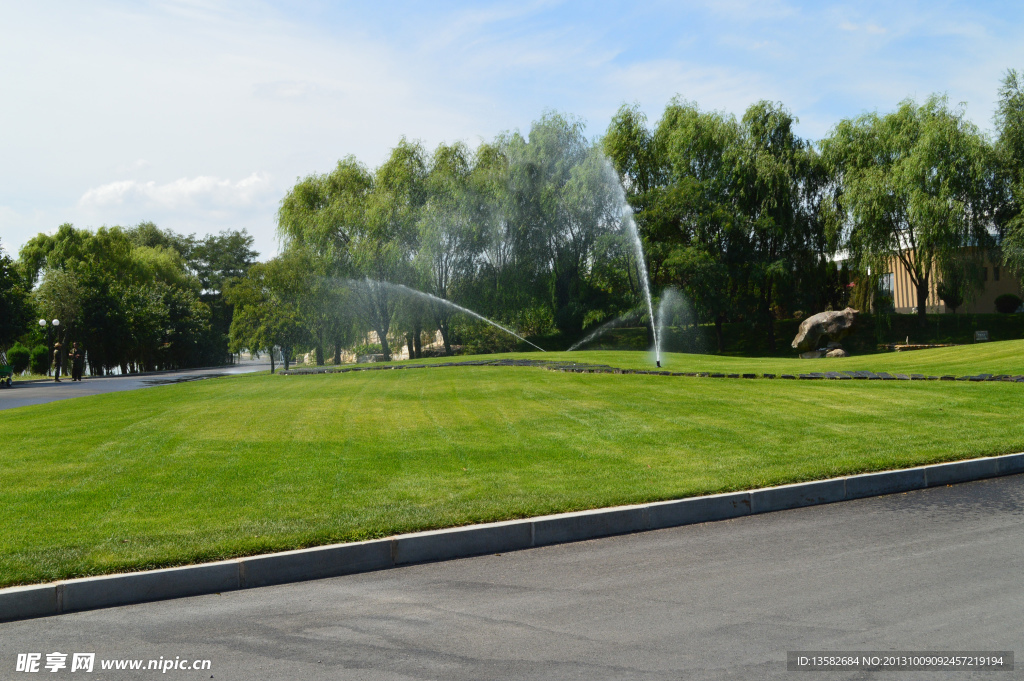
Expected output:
{"points": [[1010, 178], [321, 213], [318, 219], [913, 185], [564, 201], [266, 302], [450, 235], [383, 247], [776, 183]]}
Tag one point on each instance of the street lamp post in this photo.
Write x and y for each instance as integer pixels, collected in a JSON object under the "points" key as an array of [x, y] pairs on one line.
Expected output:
{"points": [[49, 346]]}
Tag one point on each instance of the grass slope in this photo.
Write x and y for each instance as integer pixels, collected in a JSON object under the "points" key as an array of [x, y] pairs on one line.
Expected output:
{"points": [[235, 466], [1006, 357]]}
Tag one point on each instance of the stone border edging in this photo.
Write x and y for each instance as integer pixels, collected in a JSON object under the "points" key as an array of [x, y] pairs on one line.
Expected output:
{"points": [[90, 593]]}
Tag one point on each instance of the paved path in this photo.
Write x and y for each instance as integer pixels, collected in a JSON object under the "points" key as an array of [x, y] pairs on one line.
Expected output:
{"points": [[23, 394], [941, 568]]}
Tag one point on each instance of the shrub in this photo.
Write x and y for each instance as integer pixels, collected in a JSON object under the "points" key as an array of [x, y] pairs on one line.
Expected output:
{"points": [[39, 359], [18, 357], [1008, 303]]}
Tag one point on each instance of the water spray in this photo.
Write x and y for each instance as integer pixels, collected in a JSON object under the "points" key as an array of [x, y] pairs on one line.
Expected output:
{"points": [[641, 263], [604, 328], [448, 303]]}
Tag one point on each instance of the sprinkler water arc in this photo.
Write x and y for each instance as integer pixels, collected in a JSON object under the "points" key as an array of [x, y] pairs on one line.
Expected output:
{"points": [[638, 247], [604, 328], [434, 299]]}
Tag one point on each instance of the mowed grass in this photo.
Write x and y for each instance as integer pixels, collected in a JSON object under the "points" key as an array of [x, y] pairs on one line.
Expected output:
{"points": [[235, 466], [1005, 357]]}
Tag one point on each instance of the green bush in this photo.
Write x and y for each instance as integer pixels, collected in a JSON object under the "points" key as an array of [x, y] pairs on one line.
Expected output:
{"points": [[18, 357], [1008, 303], [39, 360]]}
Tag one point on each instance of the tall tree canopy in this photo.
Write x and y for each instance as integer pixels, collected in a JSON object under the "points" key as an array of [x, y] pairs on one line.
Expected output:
{"points": [[727, 208], [914, 185], [137, 298], [1010, 180], [520, 230], [15, 305]]}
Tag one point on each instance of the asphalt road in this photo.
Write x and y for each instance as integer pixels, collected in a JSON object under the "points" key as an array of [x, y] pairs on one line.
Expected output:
{"points": [[27, 393], [937, 569]]}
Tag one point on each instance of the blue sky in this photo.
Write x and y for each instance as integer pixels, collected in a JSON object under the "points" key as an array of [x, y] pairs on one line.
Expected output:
{"points": [[199, 115]]}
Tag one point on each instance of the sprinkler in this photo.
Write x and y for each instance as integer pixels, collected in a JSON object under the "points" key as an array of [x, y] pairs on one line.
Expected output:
{"points": [[659, 363]]}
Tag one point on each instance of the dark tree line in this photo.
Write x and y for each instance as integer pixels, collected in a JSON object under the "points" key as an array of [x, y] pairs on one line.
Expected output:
{"points": [[137, 299], [750, 221]]}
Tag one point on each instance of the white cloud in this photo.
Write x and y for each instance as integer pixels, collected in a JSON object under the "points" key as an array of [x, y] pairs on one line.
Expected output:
{"points": [[201, 205], [209, 90], [207, 192]]}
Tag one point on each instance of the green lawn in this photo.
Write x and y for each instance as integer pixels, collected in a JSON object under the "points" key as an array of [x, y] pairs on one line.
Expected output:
{"points": [[234, 466], [1006, 357]]}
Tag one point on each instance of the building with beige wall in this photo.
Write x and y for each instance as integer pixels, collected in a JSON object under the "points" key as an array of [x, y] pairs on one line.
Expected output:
{"points": [[997, 281]]}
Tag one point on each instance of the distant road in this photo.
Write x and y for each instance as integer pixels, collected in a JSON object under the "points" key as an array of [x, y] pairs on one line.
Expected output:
{"points": [[940, 569], [29, 393]]}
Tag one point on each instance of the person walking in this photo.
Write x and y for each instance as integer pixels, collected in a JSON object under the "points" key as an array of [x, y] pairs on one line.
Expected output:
{"points": [[56, 362], [77, 359]]}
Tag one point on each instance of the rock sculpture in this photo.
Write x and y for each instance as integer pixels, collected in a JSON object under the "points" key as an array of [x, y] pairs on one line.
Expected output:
{"points": [[833, 324]]}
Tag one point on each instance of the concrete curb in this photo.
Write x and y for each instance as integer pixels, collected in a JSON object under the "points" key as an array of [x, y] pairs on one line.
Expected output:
{"points": [[89, 593]]}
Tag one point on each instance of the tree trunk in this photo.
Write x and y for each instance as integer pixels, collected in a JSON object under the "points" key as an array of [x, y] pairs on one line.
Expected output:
{"points": [[444, 338], [416, 341], [922, 303], [718, 332], [319, 354], [384, 348], [285, 353], [271, 360], [409, 345], [337, 352]]}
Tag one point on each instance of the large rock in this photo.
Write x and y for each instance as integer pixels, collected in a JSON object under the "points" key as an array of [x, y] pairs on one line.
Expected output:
{"points": [[835, 325]]}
